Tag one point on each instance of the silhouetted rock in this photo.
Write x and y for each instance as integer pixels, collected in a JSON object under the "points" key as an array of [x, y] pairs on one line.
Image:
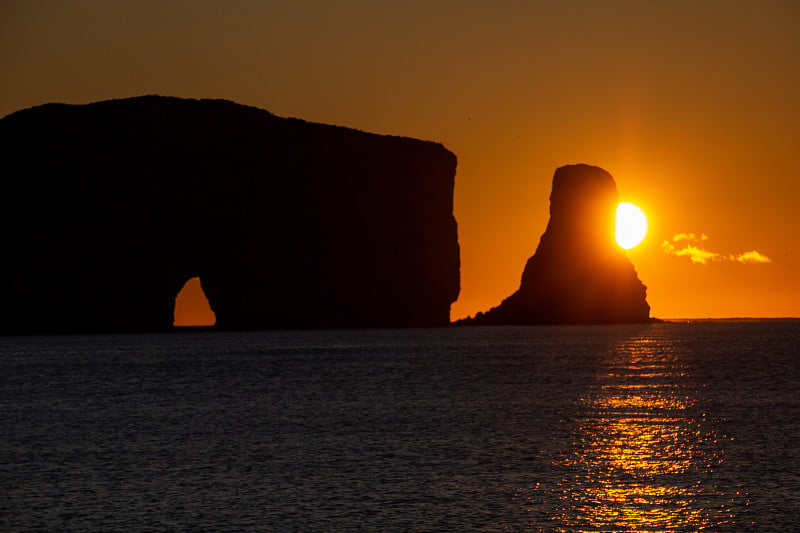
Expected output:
{"points": [[578, 274], [108, 208]]}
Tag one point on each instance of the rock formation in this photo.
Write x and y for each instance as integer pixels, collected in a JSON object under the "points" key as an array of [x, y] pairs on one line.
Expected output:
{"points": [[108, 208], [578, 274]]}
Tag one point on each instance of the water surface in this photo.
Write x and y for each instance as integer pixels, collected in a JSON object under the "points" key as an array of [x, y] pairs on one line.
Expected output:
{"points": [[663, 427]]}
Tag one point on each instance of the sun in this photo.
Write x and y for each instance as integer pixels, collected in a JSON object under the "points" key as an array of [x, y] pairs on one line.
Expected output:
{"points": [[631, 225]]}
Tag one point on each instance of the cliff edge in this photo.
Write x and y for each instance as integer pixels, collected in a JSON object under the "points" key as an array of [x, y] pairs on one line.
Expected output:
{"points": [[108, 208], [578, 275]]}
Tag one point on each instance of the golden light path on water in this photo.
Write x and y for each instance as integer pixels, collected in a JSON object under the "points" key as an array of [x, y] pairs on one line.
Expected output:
{"points": [[640, 450]]}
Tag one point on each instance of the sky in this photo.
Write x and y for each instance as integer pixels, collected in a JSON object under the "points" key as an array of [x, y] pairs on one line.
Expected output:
{"points": [[692, 106]]}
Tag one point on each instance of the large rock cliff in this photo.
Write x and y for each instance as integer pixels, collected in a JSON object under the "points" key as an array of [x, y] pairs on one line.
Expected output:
{"points": [[578, 274], [108, 208]]}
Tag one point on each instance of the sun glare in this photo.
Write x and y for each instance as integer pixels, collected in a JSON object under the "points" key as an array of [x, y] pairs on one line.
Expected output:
{"points": [[631, 225]]}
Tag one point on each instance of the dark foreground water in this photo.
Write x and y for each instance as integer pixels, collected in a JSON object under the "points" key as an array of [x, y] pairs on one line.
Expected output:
{"points": [[667, 427]]}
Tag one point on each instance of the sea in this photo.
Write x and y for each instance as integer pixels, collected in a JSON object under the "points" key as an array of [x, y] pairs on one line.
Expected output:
{"points": [[675, 426]]}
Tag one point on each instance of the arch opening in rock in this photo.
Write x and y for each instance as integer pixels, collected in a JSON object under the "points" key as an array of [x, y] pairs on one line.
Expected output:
{"points": [[191, 306]]}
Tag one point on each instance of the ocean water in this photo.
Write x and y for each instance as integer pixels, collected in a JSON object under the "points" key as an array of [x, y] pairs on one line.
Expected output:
{"points": [[661, 427]]}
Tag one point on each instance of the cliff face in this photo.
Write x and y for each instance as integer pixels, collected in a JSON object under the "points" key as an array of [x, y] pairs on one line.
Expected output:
{"points": [[578, 275], [108, 208]]}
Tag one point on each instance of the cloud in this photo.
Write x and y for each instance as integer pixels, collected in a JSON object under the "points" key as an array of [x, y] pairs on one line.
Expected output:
{"points": [[695, 254], [689, 237], [753, 257], [701, 256]]}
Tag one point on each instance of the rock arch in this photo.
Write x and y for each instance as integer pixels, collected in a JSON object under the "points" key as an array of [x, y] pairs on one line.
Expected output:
{"points": [[108, 208]]}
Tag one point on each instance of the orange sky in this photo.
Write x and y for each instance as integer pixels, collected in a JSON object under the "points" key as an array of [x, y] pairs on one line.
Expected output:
{"points": [[692, 106]]}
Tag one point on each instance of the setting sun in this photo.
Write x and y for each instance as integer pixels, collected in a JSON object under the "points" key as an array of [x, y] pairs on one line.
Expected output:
{"points": [[631, 225]]}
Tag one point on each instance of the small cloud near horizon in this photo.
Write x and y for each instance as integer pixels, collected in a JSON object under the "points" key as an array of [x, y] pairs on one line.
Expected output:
{"points": [[701, 256], [689, 237], [753, 257]]}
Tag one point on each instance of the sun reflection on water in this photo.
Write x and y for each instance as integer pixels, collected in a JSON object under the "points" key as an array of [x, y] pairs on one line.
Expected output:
{"points": [[640, 449]]}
